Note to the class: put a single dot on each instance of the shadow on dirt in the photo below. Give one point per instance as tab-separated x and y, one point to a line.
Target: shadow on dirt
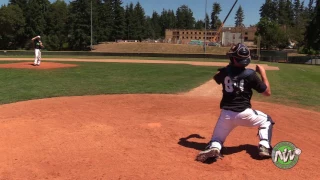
250	149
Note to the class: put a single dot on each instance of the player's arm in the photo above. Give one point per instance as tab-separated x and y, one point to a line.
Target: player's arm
218	76
262	72
34	38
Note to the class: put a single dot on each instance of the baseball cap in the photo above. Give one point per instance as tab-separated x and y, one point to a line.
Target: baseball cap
38	37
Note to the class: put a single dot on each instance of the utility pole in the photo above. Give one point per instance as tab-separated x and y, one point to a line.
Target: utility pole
205	29
91	27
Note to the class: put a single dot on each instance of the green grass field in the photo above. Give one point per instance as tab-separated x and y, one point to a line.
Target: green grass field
293	85
100	78
120	57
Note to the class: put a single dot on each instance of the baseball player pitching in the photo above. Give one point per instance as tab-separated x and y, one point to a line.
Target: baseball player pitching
237	83
37	47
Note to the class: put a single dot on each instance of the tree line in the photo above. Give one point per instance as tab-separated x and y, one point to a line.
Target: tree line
284	21
68	26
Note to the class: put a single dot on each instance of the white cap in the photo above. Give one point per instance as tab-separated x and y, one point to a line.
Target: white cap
38	37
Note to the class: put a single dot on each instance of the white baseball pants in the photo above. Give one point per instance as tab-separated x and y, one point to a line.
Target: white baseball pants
228	120
37	59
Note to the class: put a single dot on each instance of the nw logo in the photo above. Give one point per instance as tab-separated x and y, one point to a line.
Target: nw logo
285	155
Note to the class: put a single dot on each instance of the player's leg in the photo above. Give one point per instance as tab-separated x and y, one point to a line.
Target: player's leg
222	129
251	118
39	58
35	57
265	135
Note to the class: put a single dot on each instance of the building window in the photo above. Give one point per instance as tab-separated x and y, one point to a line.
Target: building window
191	32
191	37
182	32
246	38
199	32
195	37
182	37
195	33
187	32
246	33
187	37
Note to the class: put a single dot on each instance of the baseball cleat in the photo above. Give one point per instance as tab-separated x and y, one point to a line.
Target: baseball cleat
264	152
209	153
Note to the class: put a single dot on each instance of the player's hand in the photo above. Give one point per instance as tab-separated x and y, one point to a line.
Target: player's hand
260	69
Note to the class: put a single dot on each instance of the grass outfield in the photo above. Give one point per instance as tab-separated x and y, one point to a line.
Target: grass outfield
293	85
121	57
100	78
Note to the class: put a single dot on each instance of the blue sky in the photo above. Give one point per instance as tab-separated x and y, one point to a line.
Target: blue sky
250	7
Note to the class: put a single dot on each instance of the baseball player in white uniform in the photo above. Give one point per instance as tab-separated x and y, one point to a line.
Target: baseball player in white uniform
37	50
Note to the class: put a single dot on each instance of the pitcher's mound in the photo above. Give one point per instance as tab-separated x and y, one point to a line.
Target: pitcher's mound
43	65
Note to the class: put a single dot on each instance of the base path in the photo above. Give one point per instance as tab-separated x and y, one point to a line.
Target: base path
196	63
143	137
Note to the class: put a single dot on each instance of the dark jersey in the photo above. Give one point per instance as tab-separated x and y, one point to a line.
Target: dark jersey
37	44
237	92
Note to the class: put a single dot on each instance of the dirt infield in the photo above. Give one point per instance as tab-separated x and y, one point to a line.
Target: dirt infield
143	137
44	65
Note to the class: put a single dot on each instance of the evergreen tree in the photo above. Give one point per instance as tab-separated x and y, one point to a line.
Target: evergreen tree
172	20
129	16
149	29
56	30
313	30
207	20
105	21
155	24
118	30
311	8
11	26
199	25
282	13
167	21
268	10
239	17
21	3
290	13
35	14
139	22
185	19
215	21
310	11
79	24
297	12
